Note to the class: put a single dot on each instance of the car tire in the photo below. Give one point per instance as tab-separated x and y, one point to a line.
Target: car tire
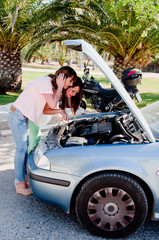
111	205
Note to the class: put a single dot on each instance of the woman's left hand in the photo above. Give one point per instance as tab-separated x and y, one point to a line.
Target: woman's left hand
60	80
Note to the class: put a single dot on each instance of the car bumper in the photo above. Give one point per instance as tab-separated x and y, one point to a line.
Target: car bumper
51	186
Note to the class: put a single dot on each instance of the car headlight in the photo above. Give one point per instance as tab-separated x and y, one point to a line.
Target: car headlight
43	163
41	160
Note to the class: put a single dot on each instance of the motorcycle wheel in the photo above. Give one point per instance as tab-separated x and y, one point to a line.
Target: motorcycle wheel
97	104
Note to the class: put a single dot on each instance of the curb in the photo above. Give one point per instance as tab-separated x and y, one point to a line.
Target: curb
4	128
8	131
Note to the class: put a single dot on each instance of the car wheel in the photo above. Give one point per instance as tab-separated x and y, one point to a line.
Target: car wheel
111	205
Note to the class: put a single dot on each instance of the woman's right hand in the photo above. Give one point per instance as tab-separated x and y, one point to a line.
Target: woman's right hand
62	116
60	80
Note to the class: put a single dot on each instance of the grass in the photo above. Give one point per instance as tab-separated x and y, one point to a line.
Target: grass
9	98
149	89
29	76
148	98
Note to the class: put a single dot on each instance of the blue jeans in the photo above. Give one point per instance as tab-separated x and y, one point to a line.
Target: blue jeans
19	126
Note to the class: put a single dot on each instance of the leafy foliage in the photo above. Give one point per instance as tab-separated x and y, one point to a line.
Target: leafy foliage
19	21
127	29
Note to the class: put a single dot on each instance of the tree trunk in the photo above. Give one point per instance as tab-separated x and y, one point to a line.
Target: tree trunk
119	66
10	71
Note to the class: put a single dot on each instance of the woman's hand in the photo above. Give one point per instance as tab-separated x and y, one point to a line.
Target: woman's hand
60	80
62	116
53	99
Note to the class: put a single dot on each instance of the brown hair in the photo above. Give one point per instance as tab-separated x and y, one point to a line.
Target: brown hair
74	100
68	71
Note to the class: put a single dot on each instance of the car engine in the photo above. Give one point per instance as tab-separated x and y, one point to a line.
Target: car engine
108	129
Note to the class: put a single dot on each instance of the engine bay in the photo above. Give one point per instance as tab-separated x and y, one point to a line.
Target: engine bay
108	129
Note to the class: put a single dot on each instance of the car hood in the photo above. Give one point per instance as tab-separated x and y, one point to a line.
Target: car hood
86	48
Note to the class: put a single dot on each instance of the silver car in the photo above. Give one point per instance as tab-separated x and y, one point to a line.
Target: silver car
103	166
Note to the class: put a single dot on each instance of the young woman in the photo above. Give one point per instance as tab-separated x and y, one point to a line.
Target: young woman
71	97
29	106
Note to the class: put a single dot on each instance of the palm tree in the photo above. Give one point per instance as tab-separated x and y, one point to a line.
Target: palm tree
44	53
16	30
21	22
127	30
53	51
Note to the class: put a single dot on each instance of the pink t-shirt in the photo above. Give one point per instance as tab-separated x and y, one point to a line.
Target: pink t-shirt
31	101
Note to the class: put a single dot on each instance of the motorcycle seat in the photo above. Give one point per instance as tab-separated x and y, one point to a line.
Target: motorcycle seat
110	93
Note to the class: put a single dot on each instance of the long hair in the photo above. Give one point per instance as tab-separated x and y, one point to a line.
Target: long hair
68	71
74	100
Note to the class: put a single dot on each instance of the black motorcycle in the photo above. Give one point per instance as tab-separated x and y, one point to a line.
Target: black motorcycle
107	100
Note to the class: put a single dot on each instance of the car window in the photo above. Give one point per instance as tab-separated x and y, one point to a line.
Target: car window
151	114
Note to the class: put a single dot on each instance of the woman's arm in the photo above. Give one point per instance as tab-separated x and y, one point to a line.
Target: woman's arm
49	111
53	99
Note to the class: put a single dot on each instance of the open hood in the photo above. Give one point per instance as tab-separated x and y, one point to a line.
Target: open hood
86	48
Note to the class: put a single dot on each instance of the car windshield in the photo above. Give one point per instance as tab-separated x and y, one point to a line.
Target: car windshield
151	114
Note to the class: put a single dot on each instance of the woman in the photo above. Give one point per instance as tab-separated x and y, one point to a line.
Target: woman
71	97
29	106
74	95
